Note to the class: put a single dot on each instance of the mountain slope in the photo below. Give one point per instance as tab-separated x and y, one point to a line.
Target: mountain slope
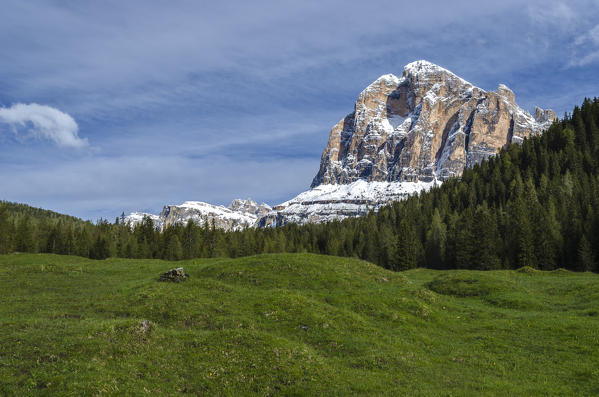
423	127
17	210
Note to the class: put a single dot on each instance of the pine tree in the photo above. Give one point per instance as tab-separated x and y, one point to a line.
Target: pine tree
526	252
409	247
5	236
464	241
485	232
586	261
436	238
100	249
189	240
82	242
24	236
174	250
388	248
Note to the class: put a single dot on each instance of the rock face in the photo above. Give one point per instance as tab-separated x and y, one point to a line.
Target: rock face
240	214
408	132
427	124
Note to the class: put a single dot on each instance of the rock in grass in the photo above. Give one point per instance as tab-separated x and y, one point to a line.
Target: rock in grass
176	275
145	326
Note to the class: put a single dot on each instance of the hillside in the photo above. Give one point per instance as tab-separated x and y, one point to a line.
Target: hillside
293	324
17	210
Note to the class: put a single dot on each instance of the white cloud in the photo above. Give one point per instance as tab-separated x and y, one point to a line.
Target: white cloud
43	121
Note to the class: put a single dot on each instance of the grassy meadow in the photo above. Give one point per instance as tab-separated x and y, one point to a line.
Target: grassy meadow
293	324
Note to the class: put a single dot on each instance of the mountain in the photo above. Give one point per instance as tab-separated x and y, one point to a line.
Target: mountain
239	214
328	202
405	135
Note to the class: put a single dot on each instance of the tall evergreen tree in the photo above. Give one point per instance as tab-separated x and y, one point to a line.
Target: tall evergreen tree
586	260
24	236
409	247
436	239
5	236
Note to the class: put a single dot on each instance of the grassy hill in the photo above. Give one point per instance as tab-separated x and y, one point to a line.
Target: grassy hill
293	324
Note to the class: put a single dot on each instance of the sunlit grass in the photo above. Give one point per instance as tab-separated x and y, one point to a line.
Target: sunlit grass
293	324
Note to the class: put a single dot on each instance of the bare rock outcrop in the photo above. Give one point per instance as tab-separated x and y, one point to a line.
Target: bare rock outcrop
405	135
428	124
175	275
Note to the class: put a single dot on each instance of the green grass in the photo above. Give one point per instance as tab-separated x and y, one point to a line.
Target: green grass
293	325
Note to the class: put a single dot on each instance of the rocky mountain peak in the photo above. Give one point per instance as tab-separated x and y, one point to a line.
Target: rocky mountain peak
427	125
405	135
506	93
249	206
240	214
544	115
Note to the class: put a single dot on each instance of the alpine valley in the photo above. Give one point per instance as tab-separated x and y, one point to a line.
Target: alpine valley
405	135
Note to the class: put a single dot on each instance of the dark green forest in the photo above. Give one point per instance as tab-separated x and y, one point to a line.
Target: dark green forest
535	204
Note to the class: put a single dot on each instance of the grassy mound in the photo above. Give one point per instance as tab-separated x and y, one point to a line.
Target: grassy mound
292	324
527	270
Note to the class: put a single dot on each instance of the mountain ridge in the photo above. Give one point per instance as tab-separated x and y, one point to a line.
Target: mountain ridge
410	133
238	215
405	133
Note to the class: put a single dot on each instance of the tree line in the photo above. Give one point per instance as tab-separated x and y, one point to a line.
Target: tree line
534	204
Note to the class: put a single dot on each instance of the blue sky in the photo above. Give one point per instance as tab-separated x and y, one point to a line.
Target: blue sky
129	105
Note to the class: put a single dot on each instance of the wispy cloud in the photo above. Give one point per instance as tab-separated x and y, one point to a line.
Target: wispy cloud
43	122
586	48
552	12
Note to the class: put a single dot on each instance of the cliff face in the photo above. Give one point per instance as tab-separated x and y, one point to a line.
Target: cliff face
428	124
405	135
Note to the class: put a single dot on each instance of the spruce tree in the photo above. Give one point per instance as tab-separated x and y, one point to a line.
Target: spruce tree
174	250
24	236
5	237
586	261
485	232
436	238
408	247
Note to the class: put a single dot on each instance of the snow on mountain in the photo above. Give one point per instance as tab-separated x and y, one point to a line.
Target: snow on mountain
240	214
404	134
135	218
326	203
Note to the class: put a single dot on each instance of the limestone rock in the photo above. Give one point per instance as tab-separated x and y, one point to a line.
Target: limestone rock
428	124
407	134
175	275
